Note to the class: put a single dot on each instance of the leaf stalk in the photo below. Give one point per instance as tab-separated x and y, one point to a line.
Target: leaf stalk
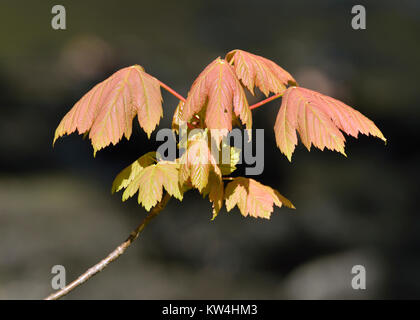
262	102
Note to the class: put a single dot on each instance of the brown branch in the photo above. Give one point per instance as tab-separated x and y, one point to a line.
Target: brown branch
113	255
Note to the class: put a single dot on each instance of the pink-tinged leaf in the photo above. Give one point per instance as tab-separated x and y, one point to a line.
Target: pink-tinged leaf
107	111
253	198
318	119
218	90
258	71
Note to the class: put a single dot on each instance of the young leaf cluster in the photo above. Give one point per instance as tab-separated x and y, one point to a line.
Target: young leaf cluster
216	100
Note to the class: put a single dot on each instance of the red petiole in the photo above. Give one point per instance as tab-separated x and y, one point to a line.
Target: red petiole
254	106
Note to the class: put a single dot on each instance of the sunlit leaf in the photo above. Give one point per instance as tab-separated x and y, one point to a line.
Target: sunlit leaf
215	190
107	111
253	198
234	157
218	90
123	179
197	162
176	120
258	71
151	180
318	119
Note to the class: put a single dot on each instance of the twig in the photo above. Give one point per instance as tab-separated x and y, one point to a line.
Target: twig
113	255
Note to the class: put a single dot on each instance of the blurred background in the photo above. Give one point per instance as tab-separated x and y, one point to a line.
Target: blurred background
56	206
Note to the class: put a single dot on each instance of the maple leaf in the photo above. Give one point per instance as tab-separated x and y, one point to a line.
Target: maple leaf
218	92
123	179
258	71
150	181
215	190
198	161
176	119
253	198
199	169
234	157
318	119
107	111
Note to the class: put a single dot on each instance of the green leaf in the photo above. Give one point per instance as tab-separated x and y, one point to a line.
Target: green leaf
123	179
197	162
150	181
228	168
215	191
